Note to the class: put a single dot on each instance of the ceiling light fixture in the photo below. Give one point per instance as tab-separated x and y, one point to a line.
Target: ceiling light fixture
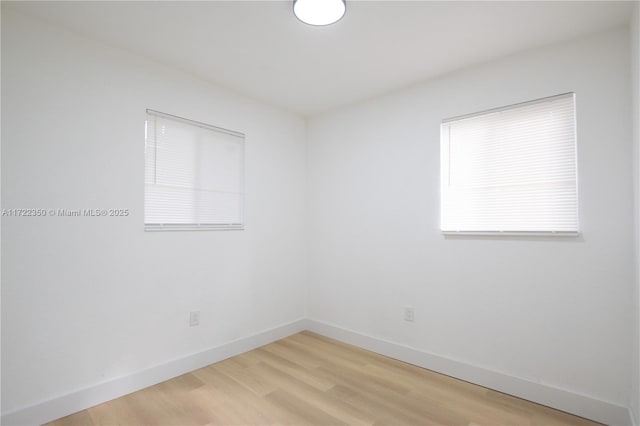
319	12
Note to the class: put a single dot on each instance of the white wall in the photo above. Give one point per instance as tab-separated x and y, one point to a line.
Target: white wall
635	93
555	311
89	299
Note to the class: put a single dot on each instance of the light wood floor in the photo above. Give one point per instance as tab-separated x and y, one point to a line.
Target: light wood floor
307	379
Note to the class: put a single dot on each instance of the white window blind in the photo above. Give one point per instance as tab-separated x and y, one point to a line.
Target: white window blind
193	175
511	170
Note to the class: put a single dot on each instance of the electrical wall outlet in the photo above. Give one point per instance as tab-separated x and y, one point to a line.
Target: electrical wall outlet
409	314
194	318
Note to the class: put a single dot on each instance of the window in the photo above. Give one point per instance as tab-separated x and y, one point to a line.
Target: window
193	175
511	170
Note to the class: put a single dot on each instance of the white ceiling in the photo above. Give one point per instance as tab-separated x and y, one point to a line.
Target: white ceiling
260	49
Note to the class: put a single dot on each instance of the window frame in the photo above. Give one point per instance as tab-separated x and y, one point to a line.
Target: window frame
444	145
153	227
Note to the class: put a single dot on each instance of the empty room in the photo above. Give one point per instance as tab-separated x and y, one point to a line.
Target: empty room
320	212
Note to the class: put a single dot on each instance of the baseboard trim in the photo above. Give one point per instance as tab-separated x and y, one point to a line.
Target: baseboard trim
560	399
64	405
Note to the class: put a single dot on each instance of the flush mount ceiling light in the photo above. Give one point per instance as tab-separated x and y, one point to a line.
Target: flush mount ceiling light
319	12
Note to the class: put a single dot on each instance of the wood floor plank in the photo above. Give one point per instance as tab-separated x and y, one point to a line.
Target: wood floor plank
323	357
305	374
385	411
308	379
380	395
302	408
320	399
246	377
292	356
239	397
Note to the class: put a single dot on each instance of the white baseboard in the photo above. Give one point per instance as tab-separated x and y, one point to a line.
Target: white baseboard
64	405
560	399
